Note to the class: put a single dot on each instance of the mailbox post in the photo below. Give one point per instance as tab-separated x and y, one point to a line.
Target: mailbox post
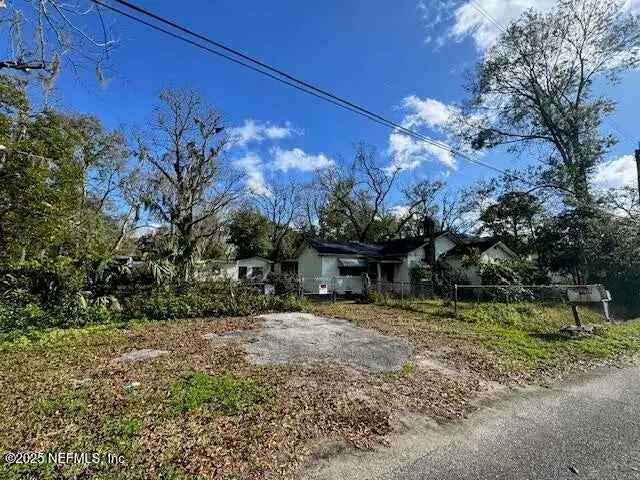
584	294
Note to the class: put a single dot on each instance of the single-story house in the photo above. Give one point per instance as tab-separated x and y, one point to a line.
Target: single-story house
489	250
217	270
343	263
254	268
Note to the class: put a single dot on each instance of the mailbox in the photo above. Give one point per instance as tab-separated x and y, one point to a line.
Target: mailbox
588	294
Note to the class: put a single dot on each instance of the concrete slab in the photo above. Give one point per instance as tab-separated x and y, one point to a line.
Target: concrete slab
306	338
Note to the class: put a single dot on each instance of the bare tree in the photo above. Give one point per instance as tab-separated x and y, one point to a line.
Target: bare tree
43	34
534	87
312	201
420	202
450	210
281	205
189	180
359	193
623	201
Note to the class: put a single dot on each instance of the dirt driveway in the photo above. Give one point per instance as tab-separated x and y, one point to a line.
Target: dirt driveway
303	338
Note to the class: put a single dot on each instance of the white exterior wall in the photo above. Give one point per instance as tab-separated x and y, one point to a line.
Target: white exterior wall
492	255
495	254
309	263
443	245
206	271
229	270
313	266
414	257
252	263
330	266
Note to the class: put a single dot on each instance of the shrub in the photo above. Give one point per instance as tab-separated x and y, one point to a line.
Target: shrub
52	281
445	278
503	274
284	283
32	315
208	300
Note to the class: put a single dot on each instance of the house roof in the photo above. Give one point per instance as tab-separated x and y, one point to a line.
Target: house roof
347	248
465	243
392	248
402	246
255	257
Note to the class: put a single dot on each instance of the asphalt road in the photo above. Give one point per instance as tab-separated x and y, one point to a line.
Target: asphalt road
589	429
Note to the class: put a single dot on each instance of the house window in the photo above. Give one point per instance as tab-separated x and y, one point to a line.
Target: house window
256	272
350	271
242	273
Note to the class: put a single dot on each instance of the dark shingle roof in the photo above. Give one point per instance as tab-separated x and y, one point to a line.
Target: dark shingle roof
347	248
402	246
392	248
468	242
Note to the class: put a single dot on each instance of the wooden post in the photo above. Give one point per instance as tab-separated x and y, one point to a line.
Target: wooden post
455	300
576	314
638	169
379	271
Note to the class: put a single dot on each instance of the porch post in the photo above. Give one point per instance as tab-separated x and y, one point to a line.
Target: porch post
379	269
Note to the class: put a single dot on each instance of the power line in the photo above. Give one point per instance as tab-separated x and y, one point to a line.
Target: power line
276	74
301	85
486	15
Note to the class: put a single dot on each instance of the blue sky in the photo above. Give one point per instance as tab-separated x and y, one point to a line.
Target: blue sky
399	58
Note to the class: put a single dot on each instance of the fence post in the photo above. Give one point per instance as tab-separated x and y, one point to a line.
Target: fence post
455	300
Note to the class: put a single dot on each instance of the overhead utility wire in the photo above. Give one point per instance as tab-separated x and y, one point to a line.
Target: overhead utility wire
299	84
306	87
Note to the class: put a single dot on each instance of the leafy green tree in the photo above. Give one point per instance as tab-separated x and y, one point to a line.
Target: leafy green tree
49	203
514	219
534	88
249	233
189	182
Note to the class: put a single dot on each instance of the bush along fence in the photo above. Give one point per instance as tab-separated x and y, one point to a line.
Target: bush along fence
572	295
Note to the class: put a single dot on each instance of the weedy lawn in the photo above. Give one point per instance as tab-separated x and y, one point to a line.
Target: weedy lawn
204	411
199	412
504	342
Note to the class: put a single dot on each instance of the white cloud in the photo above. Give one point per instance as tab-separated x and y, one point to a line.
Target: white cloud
482	19
253	166
427	111
617	173
478	18
253	131
408	154
297	159
399	211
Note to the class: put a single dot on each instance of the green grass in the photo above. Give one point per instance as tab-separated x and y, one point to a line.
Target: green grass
205	412
201	412
499	340
224	392
408	369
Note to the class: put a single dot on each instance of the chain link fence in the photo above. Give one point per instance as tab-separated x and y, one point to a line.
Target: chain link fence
514	293
403	290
